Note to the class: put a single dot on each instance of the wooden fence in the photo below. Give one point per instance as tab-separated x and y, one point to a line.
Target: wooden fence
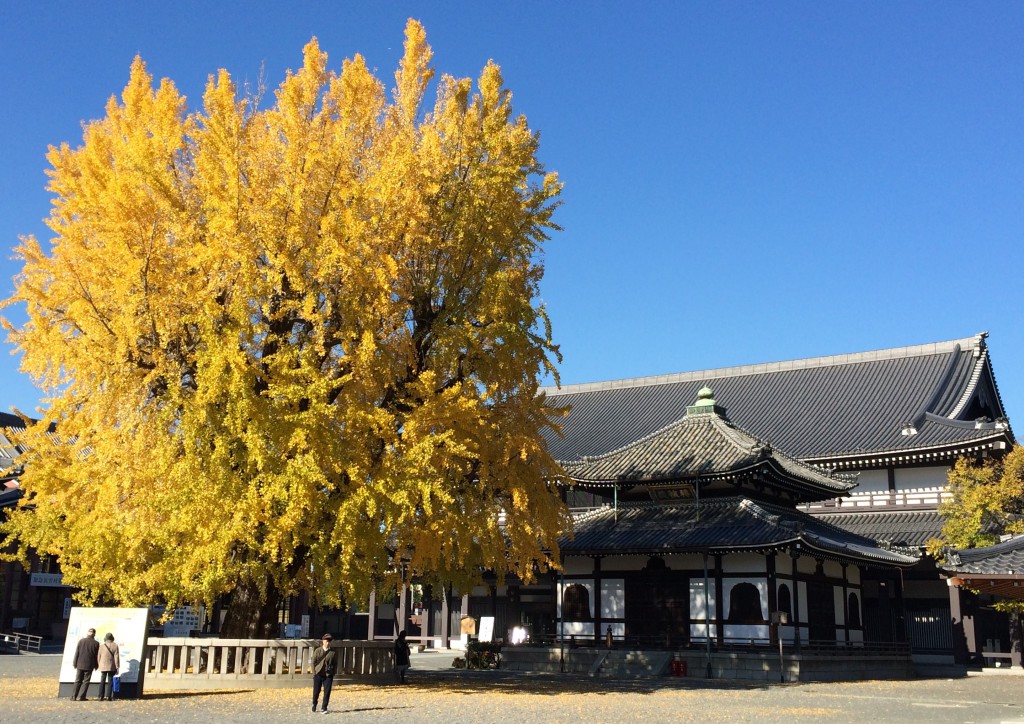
209	663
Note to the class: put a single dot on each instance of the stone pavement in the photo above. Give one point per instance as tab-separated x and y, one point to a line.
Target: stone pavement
437	694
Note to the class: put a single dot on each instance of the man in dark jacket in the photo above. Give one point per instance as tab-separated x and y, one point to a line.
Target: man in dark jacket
325	664
85	662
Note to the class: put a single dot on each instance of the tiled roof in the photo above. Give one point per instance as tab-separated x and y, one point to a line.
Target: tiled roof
718	525
996	570
704	446
8	451
1006	557
818	409
906	529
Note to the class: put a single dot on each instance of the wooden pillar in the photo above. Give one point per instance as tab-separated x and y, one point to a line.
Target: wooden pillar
446	618
1016	639
402	612
719	604
773	598
427	615
796	600
846	603
962	606
371	621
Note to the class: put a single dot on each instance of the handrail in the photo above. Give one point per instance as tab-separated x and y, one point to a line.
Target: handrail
18	642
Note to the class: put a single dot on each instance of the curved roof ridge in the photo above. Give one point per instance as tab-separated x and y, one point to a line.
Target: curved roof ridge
836	360
972	385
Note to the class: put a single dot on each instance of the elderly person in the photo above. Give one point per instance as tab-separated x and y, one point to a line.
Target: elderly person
85	662
109	659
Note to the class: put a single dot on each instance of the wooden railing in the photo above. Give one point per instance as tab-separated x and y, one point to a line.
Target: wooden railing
214	661
15	643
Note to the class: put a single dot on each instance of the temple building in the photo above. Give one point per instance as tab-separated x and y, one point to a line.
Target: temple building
704	541
897	419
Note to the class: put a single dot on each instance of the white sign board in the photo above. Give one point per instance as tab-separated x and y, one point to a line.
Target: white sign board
186	619
486	628
46	580
129	628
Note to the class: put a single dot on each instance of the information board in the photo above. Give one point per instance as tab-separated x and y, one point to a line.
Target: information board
128	625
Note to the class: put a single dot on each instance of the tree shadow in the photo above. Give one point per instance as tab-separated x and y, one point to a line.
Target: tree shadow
171	695
555	684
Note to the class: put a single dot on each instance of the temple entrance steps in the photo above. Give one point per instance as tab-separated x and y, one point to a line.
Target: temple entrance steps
614	663
624	664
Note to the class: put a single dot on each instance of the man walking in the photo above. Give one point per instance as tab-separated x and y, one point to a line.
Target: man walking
325	664
85	662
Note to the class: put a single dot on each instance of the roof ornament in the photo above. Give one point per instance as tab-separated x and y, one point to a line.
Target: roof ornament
705	404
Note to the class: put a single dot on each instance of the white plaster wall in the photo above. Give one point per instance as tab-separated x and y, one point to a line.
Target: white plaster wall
872	481
623	563
698	631
801	588
580	629
840	605
613	598
697	599
578	565
747	631
688	562
853	574
783	563
833	569
857	636
744	562
932	477
806	564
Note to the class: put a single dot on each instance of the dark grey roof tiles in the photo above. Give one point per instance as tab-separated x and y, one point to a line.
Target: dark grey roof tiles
813	409
1002	558
703	445
899	528
717	526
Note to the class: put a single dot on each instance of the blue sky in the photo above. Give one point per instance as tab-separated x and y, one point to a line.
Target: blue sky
744	181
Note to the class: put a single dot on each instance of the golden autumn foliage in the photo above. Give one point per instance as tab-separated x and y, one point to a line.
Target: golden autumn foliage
987	501
281	345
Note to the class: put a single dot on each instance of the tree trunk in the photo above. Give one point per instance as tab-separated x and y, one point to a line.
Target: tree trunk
250	615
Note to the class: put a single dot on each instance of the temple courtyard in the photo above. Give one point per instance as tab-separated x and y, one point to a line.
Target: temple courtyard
437	694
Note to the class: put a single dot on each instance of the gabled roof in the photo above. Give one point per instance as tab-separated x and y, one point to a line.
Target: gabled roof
719	525
705	446
917	402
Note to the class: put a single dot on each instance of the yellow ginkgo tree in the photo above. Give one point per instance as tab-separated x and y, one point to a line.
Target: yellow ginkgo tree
286	348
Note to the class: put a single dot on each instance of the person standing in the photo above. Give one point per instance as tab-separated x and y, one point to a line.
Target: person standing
109	660
401	657
85	662
325	664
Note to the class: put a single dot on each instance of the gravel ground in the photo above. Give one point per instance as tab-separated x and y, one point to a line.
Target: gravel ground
437	694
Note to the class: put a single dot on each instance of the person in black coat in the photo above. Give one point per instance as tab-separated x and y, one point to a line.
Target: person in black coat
85	662
325	665
401	657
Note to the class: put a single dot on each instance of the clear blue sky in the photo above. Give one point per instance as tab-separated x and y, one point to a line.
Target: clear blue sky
745	181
